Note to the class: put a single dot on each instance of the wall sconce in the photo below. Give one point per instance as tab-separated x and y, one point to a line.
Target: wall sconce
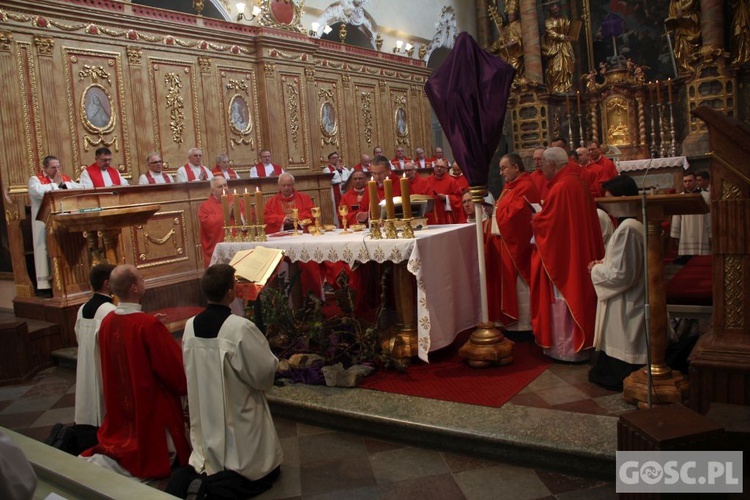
315	26
403	48
241	12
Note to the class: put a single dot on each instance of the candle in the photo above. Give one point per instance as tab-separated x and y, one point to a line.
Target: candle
578	98
669	88
248	204
390	210
651	91
372	192
567	104
225	207
405	197
237	211
259	206
658	92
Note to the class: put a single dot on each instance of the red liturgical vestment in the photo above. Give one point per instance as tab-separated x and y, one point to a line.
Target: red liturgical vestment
279	207
445	185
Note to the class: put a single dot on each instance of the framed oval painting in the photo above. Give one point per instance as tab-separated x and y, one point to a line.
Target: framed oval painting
239	115
96	109
328	123
402	129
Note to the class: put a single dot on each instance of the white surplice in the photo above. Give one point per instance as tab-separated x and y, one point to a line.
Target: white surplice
89	400
694	231
230	423
619	285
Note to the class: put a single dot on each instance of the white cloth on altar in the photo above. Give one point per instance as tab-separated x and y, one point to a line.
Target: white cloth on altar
620	287
230	424
89	399
651	163
693	230
448	300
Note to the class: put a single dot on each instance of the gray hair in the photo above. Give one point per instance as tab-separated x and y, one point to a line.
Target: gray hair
193	150
151	155
556	155
286	174
221	157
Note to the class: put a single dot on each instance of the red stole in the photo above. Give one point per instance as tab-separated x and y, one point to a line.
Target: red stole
230	173
261	170
151	179
95	173
43	179
190	174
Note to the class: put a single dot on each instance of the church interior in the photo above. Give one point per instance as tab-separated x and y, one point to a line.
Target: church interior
660	86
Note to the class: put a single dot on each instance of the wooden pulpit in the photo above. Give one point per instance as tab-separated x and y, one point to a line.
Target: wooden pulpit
667	386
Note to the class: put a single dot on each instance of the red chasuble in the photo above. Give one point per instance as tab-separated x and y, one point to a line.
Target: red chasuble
540	181
568	237
143	380
606	169
260	169
446	185
95	173
513	247
278	207
231	174
211	217
462	184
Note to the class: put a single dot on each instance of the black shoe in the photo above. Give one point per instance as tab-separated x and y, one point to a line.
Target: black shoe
44	293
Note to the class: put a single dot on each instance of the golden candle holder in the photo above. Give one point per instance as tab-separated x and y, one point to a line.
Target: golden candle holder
343	212
408	230
228	234
375	233
248	233
390	229
260	232
319	231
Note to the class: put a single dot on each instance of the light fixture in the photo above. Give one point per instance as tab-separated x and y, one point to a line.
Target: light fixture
241	12
403	48
315	26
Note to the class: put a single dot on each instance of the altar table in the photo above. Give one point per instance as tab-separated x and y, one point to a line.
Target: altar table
443	260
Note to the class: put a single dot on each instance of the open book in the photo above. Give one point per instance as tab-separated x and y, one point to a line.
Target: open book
257	264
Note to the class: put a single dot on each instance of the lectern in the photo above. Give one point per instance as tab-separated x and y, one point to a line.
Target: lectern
667	386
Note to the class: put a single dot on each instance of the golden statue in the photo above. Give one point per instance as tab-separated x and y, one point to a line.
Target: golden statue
740	37
509	45
684	21
558	51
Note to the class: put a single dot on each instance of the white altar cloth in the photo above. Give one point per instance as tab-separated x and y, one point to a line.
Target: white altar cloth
636	165
443	260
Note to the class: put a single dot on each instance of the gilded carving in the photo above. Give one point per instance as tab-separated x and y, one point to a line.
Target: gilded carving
169	248
729	191
6	38
366	99
44	45
617	125
292	107
733	286
205	64
175	104
134	55
346	80
26	66
284	14
67	27
310	74
95	73
237	85
270	70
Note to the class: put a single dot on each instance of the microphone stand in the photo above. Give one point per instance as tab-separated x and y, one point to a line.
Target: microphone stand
647	305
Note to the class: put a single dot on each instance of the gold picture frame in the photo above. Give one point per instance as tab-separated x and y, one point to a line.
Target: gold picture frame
97	114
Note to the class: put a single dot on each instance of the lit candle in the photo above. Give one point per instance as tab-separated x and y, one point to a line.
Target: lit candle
567	104
405	197
669	88
248	204
390	210
658	92
237	210
259	206
225	207
372	192
578	98
651	91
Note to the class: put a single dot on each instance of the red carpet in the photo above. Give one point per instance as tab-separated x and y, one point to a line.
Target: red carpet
448	378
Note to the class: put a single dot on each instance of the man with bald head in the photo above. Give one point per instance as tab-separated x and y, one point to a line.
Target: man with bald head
194	170
144	379
211	217
399	160
364	165
567	237
278	210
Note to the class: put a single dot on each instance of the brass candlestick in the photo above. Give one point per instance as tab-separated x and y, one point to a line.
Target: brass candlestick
390	229
343	212
248	233
375	233
260	232
228	233
408	230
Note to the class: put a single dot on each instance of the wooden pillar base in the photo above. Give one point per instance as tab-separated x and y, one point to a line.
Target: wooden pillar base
487	346
668	388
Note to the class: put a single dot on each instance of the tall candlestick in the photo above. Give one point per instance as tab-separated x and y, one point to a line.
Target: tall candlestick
578	98
567	104
658	92
225	207
259	207
237	210
372	192
405	197
651	92
669	89
248	204
390	210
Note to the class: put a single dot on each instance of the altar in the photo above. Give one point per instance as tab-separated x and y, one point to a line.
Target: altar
442	260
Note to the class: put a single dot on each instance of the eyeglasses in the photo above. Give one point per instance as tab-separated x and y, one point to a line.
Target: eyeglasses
155	162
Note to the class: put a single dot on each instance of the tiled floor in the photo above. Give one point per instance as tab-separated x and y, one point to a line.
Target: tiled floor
326	464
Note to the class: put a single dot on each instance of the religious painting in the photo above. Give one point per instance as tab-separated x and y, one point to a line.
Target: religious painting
402	128
96	109
239	115
328	124
632	30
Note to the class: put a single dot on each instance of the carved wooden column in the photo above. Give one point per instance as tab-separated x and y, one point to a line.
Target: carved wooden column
712	23
532	49
483	23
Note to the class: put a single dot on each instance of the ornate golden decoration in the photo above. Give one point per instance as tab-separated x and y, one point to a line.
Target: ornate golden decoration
44	45
366	99
159	241
734	296
292	105
310	74
134	55
237	85
58	273
95	73
6	38
205	64
346	80
113	33
383	84
175	104
198	5
729	191
267	18
270	70
29	94
289	57
68	27
617	124
176	235
712	86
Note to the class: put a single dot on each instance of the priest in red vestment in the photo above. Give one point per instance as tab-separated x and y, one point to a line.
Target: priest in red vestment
417	183
589	172
381	170
567	237
101	173
211	217
278	210
447	195
463	184
356	199
537	176
265	168
144	379
155	174
605	168
437	156
223	169
511	245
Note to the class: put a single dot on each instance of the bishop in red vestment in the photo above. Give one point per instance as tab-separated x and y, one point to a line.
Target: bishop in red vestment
567	236
144	379
278	209
447	196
